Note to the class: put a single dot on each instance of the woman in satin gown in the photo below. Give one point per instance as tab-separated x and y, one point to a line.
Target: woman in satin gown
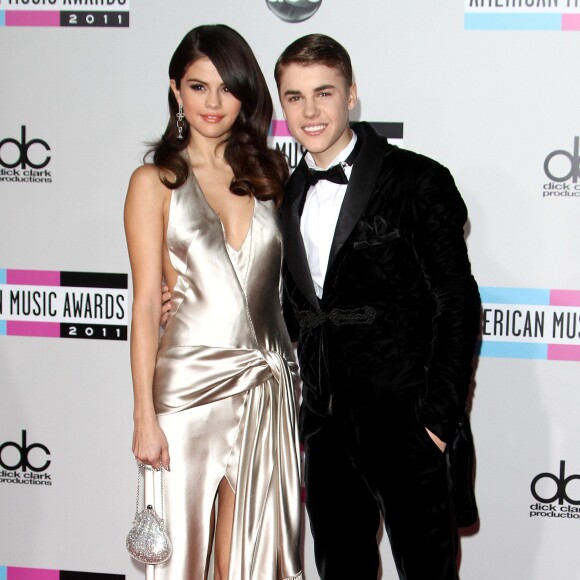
214	396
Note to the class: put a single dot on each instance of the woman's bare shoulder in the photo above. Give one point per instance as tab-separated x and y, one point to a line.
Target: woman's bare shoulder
147	175
146	182
151	177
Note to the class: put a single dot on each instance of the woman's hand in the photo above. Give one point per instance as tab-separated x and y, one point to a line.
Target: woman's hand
165	304
150	444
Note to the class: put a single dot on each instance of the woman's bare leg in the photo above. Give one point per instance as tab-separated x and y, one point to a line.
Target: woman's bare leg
223	532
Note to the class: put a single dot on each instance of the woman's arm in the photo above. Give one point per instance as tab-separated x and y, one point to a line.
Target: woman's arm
144	222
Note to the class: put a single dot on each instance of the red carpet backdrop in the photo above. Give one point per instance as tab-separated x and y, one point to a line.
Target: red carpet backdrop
486	87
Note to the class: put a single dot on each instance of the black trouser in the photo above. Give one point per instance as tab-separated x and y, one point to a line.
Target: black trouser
378	460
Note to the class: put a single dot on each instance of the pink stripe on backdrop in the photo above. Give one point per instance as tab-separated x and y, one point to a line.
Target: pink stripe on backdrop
563	352
564	297
33	277
32	18
280	129
570	21
31	574
25	328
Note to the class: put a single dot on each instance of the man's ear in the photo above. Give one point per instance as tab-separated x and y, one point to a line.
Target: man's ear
352	96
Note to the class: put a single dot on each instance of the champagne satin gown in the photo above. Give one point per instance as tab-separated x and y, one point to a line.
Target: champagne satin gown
224	395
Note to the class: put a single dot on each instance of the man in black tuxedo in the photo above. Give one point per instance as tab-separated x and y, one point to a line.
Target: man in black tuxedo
379	294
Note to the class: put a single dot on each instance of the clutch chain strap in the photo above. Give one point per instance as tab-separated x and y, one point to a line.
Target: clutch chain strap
138	502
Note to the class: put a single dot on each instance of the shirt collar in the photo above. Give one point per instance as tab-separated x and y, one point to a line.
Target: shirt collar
340	157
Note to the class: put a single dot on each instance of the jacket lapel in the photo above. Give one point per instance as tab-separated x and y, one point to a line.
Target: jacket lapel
294	250
361	186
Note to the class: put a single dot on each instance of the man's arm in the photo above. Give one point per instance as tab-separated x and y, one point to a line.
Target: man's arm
437	239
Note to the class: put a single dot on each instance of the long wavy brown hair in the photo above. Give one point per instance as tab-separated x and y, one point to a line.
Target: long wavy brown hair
258	170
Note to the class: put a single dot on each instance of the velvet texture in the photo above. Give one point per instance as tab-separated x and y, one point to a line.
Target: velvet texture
400	306
378	457
385	353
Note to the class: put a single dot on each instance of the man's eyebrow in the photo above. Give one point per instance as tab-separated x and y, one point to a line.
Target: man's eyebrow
291	92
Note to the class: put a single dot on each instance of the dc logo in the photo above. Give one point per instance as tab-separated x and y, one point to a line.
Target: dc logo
294	10
22	454
24	153
561	481
561	165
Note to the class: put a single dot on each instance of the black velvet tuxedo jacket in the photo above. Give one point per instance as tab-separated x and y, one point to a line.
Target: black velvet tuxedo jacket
400	308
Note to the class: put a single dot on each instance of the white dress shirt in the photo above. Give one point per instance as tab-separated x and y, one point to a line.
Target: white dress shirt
320	215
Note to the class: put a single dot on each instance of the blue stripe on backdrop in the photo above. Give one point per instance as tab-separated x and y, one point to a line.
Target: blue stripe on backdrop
513	21
525	350
499	295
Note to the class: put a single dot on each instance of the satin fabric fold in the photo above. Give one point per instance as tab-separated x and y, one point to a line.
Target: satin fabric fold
224	394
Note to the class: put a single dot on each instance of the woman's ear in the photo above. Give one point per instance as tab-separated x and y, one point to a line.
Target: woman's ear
175	90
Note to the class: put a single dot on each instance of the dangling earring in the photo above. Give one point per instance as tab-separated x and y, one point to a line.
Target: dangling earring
180	116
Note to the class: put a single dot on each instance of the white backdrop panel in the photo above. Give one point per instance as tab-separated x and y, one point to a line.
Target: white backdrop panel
490	105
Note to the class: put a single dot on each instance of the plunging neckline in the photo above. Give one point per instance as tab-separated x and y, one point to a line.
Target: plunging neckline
248	235
217	215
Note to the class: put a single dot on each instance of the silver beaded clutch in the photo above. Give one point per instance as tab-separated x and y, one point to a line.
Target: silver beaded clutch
147	540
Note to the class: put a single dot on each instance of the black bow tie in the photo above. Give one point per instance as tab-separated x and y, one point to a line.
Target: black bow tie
335	174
